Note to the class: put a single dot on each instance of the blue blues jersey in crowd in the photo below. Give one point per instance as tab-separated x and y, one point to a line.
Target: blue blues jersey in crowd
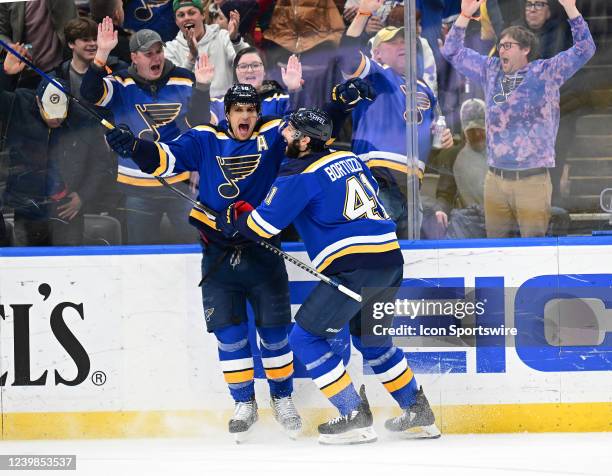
156	15
158	114
230	169
331	198
276	105
379	127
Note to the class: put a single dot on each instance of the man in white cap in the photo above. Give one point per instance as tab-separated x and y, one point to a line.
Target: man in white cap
57	160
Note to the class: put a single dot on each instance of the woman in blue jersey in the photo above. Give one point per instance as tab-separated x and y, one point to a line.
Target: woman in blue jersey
249	68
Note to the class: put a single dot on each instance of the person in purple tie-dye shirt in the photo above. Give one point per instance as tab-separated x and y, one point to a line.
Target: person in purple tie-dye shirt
522	119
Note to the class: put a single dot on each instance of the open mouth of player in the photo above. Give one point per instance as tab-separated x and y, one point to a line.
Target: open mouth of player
243	128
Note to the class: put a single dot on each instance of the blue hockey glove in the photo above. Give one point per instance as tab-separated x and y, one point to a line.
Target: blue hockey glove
350	93
121	139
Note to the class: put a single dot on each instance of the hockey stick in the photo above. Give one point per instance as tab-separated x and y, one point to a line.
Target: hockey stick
89	109
197	204
327	280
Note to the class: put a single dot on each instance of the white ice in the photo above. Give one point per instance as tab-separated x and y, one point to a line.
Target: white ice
270	453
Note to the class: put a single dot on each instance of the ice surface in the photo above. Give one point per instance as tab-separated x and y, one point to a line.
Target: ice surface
269	452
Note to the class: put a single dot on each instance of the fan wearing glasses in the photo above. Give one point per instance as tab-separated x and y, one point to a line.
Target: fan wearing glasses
249	68
548	22
522	117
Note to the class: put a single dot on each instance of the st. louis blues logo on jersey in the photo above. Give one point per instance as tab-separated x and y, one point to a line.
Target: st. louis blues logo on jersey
145	11
235	169
156	116
423	103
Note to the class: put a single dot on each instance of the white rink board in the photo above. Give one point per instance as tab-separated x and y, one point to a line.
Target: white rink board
143	328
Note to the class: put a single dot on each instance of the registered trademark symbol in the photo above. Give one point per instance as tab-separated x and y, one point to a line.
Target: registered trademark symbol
98	378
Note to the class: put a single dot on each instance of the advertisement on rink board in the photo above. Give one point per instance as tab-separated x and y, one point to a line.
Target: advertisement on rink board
120	332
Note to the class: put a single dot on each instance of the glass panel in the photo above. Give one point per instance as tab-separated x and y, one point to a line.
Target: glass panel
530	145
538	166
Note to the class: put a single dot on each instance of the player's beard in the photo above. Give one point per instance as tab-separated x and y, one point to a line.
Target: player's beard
293	149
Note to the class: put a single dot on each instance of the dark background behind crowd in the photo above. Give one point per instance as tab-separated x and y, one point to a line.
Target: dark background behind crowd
61	184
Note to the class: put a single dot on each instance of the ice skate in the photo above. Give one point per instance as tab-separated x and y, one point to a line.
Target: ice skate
245	415
417	421
286	414
351	429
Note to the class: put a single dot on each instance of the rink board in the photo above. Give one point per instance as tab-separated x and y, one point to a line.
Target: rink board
110	342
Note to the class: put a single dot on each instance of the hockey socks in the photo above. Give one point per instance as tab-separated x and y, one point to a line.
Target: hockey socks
236	361
390	366
326	369
277	360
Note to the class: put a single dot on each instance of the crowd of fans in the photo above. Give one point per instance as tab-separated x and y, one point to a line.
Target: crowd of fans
148	63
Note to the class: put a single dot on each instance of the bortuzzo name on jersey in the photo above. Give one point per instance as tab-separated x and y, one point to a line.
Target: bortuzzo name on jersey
342	168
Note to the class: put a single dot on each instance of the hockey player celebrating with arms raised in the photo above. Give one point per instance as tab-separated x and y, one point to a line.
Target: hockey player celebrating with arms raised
239	162
331	198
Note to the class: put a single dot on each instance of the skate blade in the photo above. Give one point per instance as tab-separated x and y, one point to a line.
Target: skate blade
292	434
420	433
352	437
242	436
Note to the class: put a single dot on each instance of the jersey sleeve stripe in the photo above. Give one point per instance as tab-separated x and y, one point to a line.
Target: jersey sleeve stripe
180	82
108	93
390	164
166	161
203	218
256	228
362	70
218	134
269	125
267	227
124	82
150	181
163	161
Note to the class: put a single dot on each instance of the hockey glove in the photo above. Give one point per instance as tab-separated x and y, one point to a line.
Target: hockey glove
227	220
350	93
121	139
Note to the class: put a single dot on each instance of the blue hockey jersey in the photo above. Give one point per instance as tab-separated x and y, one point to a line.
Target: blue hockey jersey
331	198
156	15
379	127
230	169
154	112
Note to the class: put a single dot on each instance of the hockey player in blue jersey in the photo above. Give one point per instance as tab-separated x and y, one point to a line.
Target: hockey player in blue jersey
239	163
331	197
